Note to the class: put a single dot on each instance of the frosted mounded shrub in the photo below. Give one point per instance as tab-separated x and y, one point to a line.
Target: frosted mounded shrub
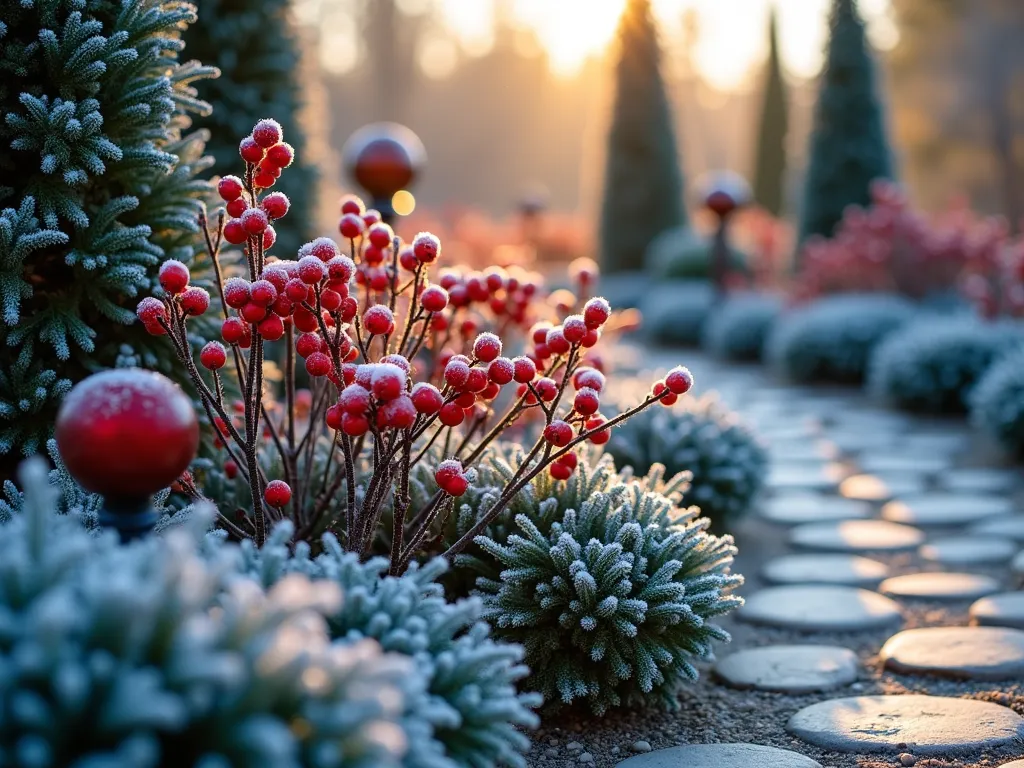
613	597
472	705
933	364
737	330
675	312
724	457
150	656
997	402
832	339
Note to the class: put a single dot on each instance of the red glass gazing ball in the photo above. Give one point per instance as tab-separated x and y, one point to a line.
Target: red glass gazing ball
127	433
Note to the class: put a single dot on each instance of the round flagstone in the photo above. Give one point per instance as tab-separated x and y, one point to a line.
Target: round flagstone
874	488
921	725
1005	609
789	668
720	756
845	570
820	608
1005	526
945	509
812	476
966	653
944	587
969	550
857	536
797	508
980	480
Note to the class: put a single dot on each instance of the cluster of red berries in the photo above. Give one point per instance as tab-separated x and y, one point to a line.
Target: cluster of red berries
182	300
451	477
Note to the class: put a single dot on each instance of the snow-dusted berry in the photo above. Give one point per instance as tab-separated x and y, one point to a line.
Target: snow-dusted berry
351	226
456	373
263	292
547	389
233	330
213	356
306	344
380	235
237	207
330	300
556	341
388	381
679	380
574	328
280	155
378	320
271	327
276	205
487	347
173	276
195	301
354	399
318	364
501	371
601	436
451	478
525	369
267	132
596	312
253	312
667	396
277	493
254	221
235	233
399	413
150	311
250	151
587	401
451	414
558	433
427	247
427	398
311	270
230	188
340	268
434	299
588	377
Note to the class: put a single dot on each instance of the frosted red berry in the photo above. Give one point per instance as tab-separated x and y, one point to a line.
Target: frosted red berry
556	341
388	381
487	347
277	493
407	259
330	300
427	247
254	221
150	311
250	151
588	377
230	188
237	207
558	433
602	436
318	364
351	204
434	299
501	371
253	312
195	301
276	205
427	398
574	328
267	132
311	270
340	268
378	320
280	155
354	425
547	389
354	399
271	327
399	413
451	478
263	292
679	380
213	356
234	233
452	414
525	369
351	226
587	401
306	344
560	471
236	292
233	330
380	235
596	312
173	276
539	333
456	373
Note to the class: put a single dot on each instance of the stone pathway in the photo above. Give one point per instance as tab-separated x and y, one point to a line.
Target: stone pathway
882	625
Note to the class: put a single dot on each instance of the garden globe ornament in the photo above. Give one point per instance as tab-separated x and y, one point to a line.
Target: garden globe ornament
126	434
723	193
384	158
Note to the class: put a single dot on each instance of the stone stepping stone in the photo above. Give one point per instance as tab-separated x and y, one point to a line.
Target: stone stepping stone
1005	609
874	488
922	725
920	463
1006	527
969	550
857	536
720	756
844	570
944	509
789	668
965	653
798	508
816	476
980	480
820	608
941	587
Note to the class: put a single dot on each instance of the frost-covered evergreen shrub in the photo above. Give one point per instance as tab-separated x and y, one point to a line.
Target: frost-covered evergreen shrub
97	188
997	402
471	704
933	364
150	656
608	583
832	338
726	459
675	312
737	330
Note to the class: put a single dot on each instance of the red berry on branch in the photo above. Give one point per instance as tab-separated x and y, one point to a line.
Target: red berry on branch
354	425
230	188
556	342
323	248
264	179
593	336
311	270
233	330
151	310
173	276
399	413
451	415
296	290
539	332
380	235
318	364
451	478
603	435
267	132
466	400
426	247
434	299
373	255
349	307
271	328
387	381
253	312
236	292
477	380
354	399
213	356
280	155
407	259
237	207
456	373
400	360
378	320
476	288
234	233
525	370
330	300
427	398
304	320
495	279
487	347
341	268
277	493
491	391
195	301
334	416
558	433
571	460
587	401
351	226
547	389
370	217
560	471
588	377
350	204
596	312
276	205
306	344
250	151
263	292
379	279
254	221
230	469
679	380
501	371
574	328
457	295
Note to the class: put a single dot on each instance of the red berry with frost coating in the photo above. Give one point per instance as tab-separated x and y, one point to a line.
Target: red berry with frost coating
378	320
594	422
380	235
151	310
304	320
407	259
539	332
276	276
525	369
173	276
253	312
501	371
487	347
234	233
560	471
434	299
277	493
195	301
323	248
571	460
352	204
588	377
596	312
574	328
667	397
679	380
311	270
399	360
556	342
236	292
267	132
330	300
230	469
334	416
230	188
491	391
213	356
254	221
351	226
296	290
354	425
307	344
388	381
427	247
547	389
318	364
263	179
450	477
592	337
280	155
271	328
477	380
276	205
456	373
587	401
341	268
237	207
233	330
399	413
558	433
466	400
427	398
451	414
263	292
250	151
354	399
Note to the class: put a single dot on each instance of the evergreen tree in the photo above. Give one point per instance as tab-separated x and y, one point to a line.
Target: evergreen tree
643	185
849	148
97	188
253	44
770	173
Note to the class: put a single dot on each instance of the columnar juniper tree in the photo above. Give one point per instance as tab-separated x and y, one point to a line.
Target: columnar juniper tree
97	187
253	43
643	185
770	173
849	148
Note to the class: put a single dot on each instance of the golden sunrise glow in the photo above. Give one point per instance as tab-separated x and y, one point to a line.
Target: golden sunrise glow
403	202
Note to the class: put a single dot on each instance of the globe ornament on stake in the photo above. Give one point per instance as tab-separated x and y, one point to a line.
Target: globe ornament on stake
723	193
126	434
384	158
